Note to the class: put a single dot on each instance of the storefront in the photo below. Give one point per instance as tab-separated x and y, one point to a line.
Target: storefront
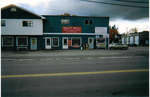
21	42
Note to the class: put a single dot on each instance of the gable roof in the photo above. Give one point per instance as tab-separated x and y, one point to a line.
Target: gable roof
12	5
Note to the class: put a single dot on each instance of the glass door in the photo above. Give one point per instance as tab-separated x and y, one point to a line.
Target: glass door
48	43
65	43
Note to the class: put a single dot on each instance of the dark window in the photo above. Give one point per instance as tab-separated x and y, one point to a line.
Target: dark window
91	21
7	41
86	22
3	23
22	41
55	42
27	23
76	42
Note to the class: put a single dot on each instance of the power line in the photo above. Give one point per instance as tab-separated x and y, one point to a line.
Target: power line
115	4
129	1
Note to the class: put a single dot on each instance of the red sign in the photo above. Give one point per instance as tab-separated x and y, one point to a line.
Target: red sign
71	29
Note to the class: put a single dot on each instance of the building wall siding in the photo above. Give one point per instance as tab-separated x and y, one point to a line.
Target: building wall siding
53	23
14	27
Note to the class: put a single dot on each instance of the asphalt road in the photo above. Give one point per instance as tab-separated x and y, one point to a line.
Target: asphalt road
75	73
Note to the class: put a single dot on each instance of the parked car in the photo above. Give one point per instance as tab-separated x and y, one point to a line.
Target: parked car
118	46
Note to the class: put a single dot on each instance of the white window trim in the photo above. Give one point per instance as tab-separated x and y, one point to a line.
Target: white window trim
46	40
52	42
8	45
63	40
27	23
77	38
21	37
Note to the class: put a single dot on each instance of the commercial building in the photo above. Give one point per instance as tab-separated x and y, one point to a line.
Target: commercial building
22	29
74	32
136	39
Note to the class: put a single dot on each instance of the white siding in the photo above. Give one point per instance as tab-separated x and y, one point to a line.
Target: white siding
14	27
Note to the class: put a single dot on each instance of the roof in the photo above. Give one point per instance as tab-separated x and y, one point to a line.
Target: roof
12	5
79	16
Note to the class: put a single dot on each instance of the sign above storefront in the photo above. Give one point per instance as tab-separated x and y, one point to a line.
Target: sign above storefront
71	29
101	30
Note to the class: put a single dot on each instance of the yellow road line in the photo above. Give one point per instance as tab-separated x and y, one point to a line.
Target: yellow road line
73	73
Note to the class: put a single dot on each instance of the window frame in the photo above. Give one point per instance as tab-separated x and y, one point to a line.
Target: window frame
21	37
12	42
76	38
29	23
53	43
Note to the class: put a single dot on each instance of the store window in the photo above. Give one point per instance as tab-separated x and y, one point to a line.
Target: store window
55	42
27	23
3	23
65	21
7	41
76	42
22	41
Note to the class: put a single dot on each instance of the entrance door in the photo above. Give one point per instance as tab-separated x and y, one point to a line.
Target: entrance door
65	43
48	43
91	43
33	44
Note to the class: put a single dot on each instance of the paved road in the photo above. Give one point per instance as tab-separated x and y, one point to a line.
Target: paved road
88	73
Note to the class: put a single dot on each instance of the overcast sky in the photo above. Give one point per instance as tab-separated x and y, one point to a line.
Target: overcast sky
125	15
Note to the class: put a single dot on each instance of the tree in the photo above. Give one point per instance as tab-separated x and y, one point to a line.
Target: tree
113	34
66	14
133	30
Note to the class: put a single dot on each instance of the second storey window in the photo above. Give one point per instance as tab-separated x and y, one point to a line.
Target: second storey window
88	22
27	23
65	21
3	23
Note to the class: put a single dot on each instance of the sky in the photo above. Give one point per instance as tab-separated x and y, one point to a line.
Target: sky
125	14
